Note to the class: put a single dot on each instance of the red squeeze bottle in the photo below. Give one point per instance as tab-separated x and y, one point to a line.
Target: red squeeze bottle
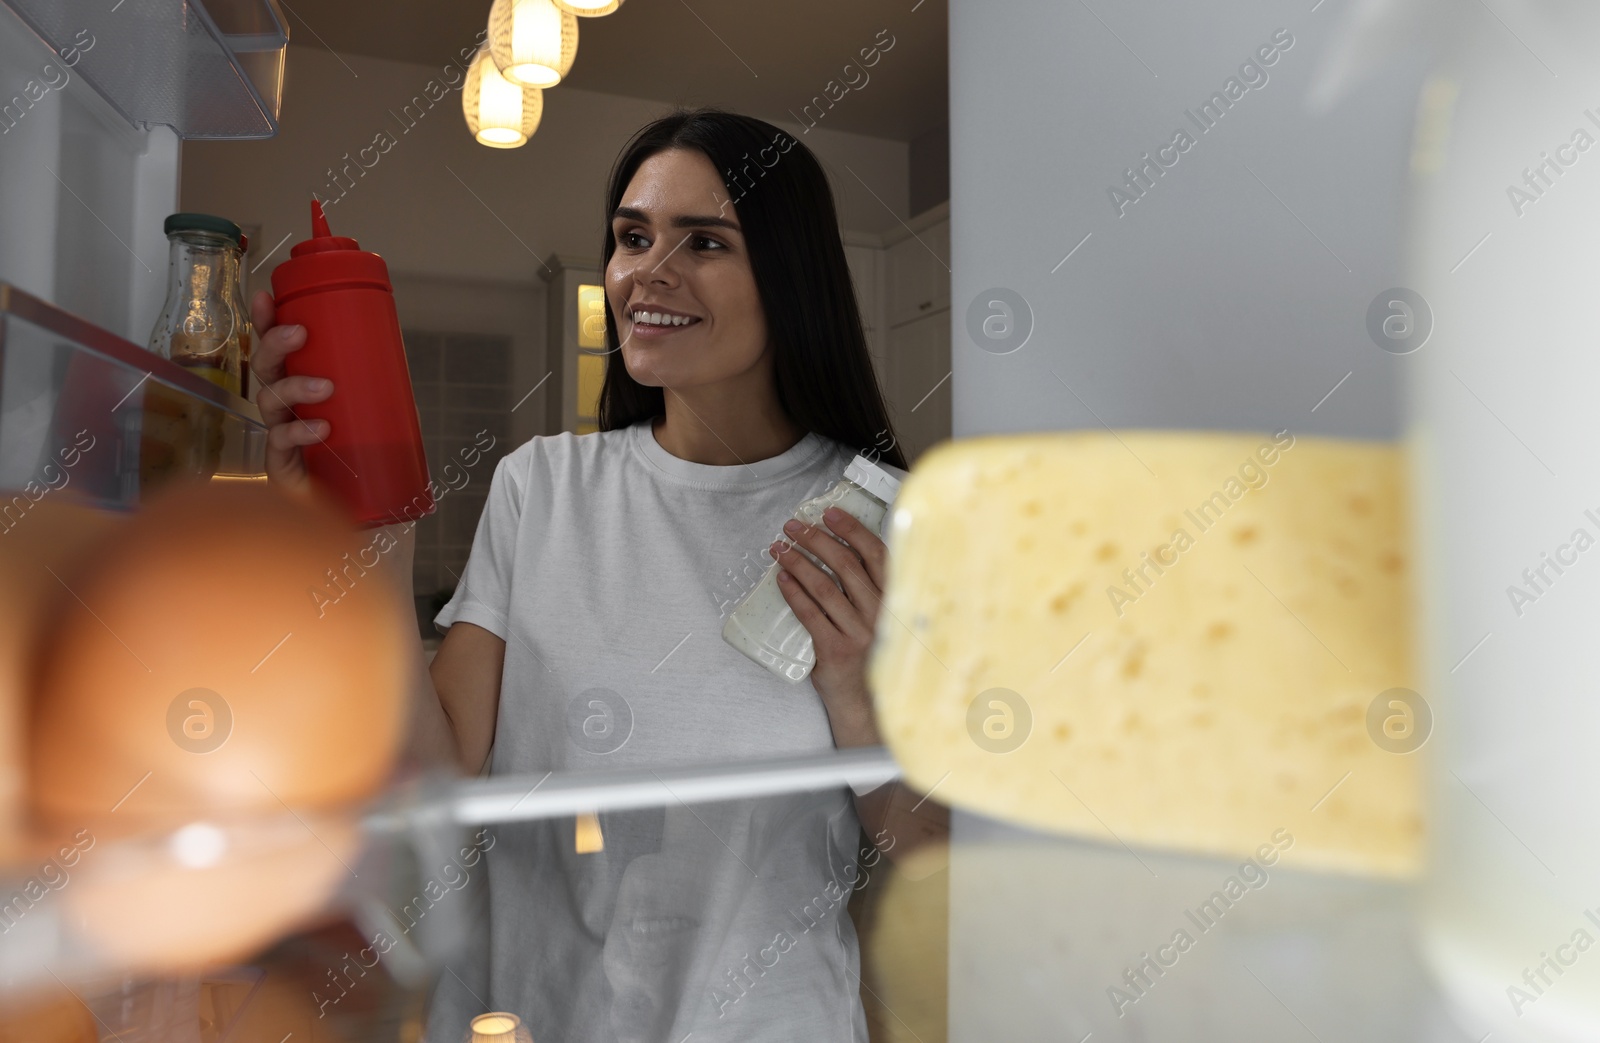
372	459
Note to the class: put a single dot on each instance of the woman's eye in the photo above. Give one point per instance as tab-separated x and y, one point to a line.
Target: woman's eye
703	242
633	240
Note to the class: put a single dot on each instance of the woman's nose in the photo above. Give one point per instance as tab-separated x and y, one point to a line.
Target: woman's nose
660	263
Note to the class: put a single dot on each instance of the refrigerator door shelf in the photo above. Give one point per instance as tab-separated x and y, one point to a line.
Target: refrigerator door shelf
208	71
98	420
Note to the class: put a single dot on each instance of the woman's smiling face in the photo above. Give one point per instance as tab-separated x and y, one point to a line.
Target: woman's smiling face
679	281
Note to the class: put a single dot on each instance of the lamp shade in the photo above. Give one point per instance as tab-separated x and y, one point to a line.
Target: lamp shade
500	114
532	41
499	1028
588	8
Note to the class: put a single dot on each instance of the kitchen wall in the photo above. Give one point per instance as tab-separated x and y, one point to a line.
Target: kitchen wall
438	203
930	168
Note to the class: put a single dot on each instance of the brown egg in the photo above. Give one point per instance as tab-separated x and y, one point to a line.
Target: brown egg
53	1016
227	652
36	540
206	895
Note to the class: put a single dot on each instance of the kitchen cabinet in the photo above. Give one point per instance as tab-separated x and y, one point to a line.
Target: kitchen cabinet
918	261
915	305
919	381
867	269
575	332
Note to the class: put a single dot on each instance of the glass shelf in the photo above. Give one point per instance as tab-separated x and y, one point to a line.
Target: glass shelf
212	70
527	798
98	420
692	900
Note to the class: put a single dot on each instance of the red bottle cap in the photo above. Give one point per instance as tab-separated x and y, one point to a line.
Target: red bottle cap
327	261
322	239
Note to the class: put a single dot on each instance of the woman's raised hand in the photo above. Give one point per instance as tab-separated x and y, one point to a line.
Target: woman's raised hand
278	394
842	622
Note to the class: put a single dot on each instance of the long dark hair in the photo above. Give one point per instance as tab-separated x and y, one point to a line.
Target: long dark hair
823	369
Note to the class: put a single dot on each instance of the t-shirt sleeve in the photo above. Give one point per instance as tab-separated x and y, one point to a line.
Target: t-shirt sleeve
483	595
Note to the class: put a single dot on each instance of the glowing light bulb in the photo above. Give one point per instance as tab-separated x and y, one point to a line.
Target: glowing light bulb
498	1028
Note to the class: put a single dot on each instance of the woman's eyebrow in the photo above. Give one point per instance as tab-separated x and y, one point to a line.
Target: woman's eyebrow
682	221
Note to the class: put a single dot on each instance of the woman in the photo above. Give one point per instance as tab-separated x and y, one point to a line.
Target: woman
585	631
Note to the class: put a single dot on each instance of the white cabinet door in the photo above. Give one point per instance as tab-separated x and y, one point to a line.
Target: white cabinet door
919	274
866	270
919	384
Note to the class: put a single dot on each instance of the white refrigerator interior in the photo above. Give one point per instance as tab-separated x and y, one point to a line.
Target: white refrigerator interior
82	192
1501	247
1358	219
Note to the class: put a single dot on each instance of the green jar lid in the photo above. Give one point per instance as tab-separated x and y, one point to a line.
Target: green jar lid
202	223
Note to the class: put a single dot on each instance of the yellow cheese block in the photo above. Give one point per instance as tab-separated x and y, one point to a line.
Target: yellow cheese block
1196	642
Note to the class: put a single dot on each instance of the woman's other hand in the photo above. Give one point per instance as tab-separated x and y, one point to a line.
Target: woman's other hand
278	394
841	621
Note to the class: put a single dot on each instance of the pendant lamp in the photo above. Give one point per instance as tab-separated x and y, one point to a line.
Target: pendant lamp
533	42
500	114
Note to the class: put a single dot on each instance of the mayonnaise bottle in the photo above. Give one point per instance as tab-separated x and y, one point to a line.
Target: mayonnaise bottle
762	626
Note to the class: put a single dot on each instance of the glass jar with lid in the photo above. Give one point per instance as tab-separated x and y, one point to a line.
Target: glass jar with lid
199	325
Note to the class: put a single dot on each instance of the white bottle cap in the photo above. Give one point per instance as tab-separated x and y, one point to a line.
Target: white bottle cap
873	478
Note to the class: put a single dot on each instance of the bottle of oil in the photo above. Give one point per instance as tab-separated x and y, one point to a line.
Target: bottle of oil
198	328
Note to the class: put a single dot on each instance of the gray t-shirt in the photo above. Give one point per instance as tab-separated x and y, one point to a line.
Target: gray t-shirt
608	566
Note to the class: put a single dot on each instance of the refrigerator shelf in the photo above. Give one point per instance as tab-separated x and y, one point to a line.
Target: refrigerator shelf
525	798
98	420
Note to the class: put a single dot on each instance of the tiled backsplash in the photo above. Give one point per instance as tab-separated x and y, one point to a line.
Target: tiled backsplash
463	387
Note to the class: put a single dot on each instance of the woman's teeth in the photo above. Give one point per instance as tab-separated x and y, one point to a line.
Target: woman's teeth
656	318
